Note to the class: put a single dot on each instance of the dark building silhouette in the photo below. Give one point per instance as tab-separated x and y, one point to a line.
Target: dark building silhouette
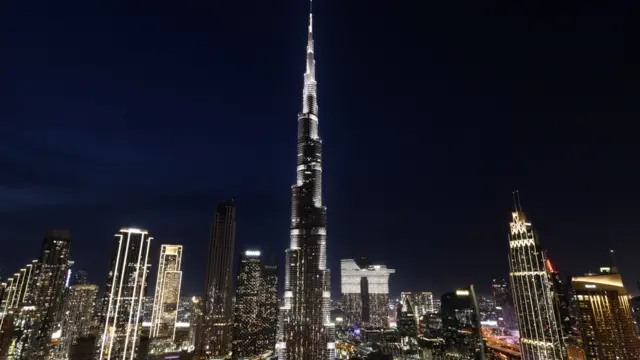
461	328
216	325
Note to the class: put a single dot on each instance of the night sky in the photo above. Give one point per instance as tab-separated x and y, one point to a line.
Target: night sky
148	113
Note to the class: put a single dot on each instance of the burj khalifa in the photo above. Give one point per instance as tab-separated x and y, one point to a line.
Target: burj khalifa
305	331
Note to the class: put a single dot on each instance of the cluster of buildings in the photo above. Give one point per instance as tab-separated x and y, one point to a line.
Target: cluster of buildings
49	312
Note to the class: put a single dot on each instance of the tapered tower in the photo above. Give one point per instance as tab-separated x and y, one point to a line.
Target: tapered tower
305	331
540	333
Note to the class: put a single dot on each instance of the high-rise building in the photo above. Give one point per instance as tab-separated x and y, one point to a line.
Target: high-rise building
195	321
269	306
256	307
47	295
604	316
78	316
167	293
15	324
81	277
532	289
365	293
504	304
305	330
461	328
126	287
217	326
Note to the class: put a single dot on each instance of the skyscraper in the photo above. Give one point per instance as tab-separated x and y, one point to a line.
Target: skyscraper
504	304
48	291
532	288
167	293
120	322
604	316
269	306
247	325
461	328
217	327
365	293
78	318
16	312
306	332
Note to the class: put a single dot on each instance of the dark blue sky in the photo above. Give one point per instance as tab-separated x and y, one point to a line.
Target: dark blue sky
149	112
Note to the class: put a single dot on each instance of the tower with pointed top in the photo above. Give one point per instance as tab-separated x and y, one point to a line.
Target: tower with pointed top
305	332
540	333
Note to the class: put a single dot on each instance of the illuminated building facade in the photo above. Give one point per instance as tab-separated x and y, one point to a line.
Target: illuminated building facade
422	302
305	331
78	317
167	293
255	314
14	306
504	304
604	316
217	327
461	328
121	321
532	289
47	294
365	293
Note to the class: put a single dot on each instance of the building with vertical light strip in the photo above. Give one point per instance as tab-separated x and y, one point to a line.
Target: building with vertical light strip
605	319
305	330
532	289
14	299
126	287
167	293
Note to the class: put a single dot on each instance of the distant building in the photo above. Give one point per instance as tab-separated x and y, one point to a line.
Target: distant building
167	292
84	348
504	304
604	316
461	327
421	303
255	313
365	293
80	277
120	325
216	326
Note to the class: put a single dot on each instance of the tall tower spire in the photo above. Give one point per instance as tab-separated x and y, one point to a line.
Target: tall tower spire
309	92
305	331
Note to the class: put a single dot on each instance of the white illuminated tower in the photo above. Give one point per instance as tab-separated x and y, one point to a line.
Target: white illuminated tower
121	320
305	331
167	294
540	334
365	293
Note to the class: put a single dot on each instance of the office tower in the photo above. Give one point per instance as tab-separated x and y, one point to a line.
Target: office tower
47	295
267	339
461	328
84	348
305	330
504	304
255	310
167	295
365	293
126	287
247	324
604	316
217	324
531	286
561	300
78	317
406	320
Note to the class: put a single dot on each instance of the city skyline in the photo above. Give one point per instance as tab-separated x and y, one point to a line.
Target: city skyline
463	110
